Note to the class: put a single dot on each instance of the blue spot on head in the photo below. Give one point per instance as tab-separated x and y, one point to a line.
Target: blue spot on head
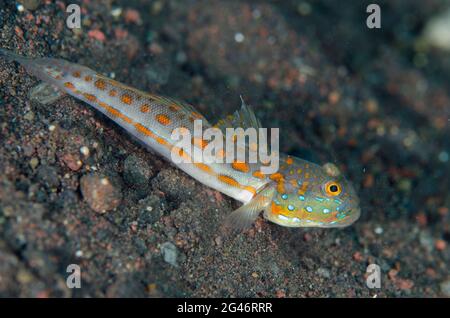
291	207
326	211
340	216
299	182
309	209
301	198
319	199
284	196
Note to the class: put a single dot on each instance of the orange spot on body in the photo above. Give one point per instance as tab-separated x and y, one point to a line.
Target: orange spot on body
199	142
204	167
90	97
240	166
303	188
280	187
144	130
258	174
163	119
126	99
115	113
293	183
69	85
145	108
276	176
276	209
182	153
228	180
289	160
161	141
113	93
100	84
250	189
88	78
76	74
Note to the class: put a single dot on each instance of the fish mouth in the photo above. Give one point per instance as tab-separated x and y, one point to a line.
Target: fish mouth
353	216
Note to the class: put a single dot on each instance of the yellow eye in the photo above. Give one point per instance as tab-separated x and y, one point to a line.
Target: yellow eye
333	188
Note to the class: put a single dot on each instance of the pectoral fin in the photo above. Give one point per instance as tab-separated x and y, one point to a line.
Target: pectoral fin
244	216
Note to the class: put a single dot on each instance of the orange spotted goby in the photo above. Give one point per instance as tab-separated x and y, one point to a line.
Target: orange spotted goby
299	194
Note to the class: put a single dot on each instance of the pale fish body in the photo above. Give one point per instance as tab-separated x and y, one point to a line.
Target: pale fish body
300	194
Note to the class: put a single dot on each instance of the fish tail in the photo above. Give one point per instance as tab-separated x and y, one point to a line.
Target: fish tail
11	56
49	70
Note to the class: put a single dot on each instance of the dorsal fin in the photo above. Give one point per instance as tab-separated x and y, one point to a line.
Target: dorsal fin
244	118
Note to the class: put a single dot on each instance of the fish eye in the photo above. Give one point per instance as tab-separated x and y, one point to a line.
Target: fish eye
333	188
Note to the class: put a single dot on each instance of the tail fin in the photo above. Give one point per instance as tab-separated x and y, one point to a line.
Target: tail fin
49	70
11	56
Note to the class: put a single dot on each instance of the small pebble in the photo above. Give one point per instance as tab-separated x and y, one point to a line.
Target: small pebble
323	272
440	245
34	162
85	151
132	16
29	116
170	253
97	34
100	193
239	37
116	12
72	162
378	230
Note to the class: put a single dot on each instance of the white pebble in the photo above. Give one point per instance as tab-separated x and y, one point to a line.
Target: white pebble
20	8
85	151
379	230
116	12
51	127
239	37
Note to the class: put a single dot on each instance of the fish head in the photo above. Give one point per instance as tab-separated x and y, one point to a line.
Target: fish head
310	195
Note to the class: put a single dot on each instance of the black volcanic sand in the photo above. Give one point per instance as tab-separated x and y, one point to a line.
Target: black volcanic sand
365	99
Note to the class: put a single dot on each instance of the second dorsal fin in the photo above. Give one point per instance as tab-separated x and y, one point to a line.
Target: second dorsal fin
243	118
